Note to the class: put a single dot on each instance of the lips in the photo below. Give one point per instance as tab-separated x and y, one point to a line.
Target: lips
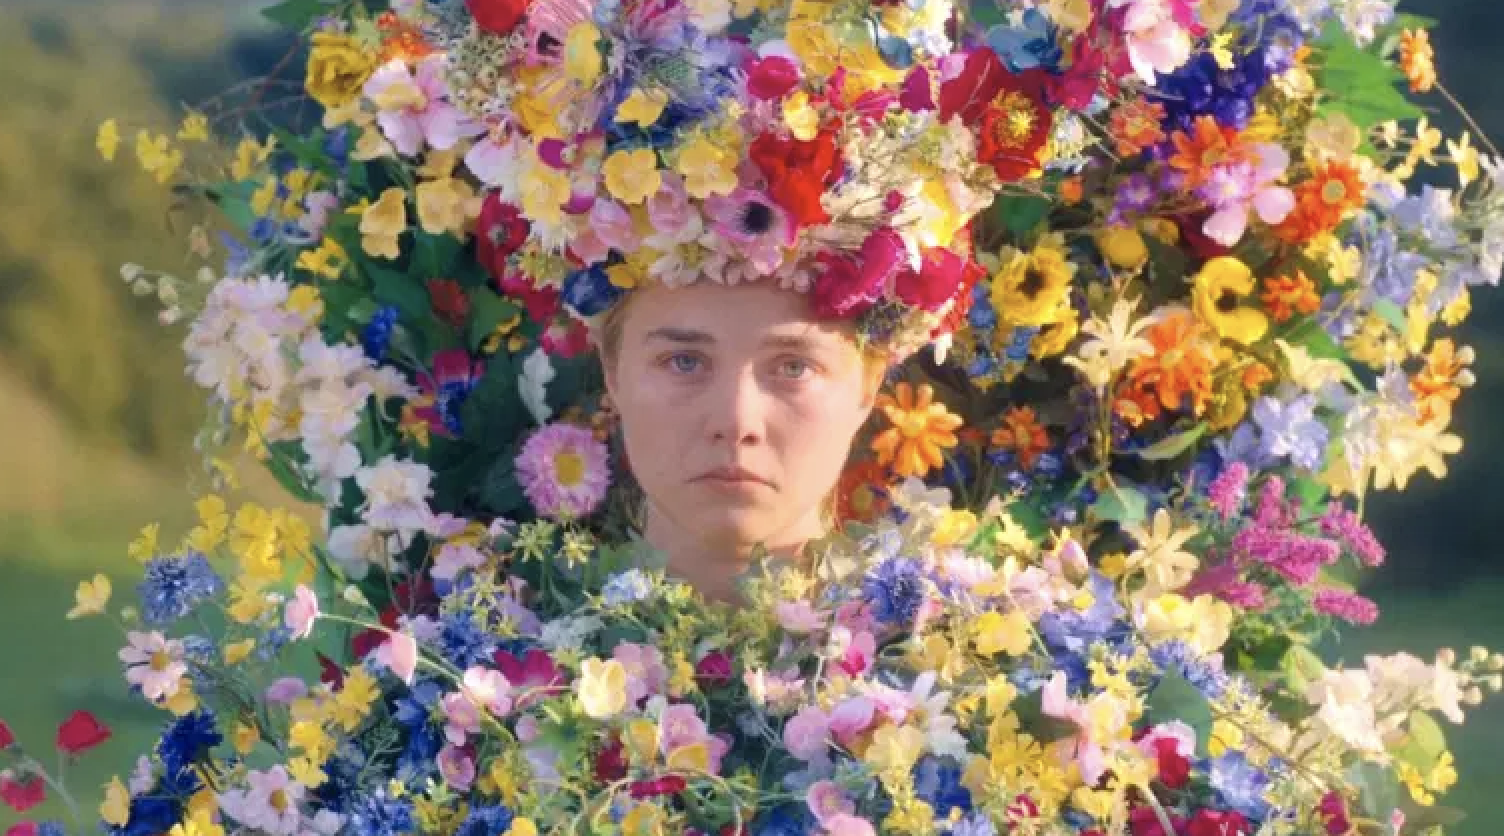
732	475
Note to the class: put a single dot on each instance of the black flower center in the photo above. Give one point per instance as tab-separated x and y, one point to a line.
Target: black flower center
757	218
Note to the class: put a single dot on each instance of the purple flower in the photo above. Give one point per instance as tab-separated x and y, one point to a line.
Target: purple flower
1227	492
1348	606
896	591
1291	430
1240	784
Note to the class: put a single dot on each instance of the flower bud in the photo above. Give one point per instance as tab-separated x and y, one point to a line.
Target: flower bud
169	316
143	287
1495	682
1446	657
1496	662
206	275
167	293
131	272
353	595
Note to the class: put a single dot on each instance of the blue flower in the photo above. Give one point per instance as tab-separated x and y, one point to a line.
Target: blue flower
938	782
464	642
1203	672
1291	430
627	587
150	814
895	589
417	712
589	292
1240	784
786	820
975	824
188	740
377	335
174	586
1072	632
1034	44
378	814
485	821
51	828
1202	87
337	793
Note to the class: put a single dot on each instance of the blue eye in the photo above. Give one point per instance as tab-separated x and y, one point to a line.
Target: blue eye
685	363
794	368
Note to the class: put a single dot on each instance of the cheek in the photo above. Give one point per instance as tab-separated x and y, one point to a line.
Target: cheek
818	432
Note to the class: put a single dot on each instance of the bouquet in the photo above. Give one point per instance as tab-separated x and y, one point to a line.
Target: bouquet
1176	303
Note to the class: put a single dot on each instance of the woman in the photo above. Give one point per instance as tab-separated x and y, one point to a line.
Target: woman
738	409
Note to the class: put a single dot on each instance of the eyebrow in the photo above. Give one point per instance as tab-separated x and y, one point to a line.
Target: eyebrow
679	335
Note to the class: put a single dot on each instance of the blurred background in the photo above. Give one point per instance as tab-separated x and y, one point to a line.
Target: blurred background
97	420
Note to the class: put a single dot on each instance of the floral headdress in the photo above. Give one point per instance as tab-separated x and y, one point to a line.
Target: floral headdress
837	148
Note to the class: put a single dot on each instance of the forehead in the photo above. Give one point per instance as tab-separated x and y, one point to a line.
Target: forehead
744	314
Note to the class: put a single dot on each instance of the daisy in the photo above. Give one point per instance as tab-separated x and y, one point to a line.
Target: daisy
154	664
564	470
269	803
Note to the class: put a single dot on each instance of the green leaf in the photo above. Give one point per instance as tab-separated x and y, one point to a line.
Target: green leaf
1018	215
1176	699
1032	719
397	289
1424	745
1172	446
284	463
1315	339
986	14
487	310
1378	789
1359	83
1301	667
1123	504
296	14
1392	314
494	416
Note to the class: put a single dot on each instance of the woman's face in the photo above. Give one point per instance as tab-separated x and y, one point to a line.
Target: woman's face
738	409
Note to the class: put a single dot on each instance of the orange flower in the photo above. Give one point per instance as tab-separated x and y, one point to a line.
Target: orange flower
922	428
1135	407
1135	126
862	493
400	39
1439	384
1334	189
1418	60
1210	145
1179	372
1022	435
1285	296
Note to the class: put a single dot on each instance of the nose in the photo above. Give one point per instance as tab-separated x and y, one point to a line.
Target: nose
737	410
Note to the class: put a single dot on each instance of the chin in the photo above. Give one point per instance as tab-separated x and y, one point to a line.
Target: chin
739	526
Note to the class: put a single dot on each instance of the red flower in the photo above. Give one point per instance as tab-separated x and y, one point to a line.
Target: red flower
1015	125
666	785
1144	821
21	794
1333	812
611	763
7	739
541	304
1174	768
329	672
847	287
798	172
935	282
771	77
81	732
916	95
449	301
1218	823
971	273
499	17
973	89
25	828
499	232
713	669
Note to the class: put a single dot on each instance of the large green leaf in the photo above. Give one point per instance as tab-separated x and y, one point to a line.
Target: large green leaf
494	416
1123	504
1176	699
1359	83
487	310
395	288
1172	446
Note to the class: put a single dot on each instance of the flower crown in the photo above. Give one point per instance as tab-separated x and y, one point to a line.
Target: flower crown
837	148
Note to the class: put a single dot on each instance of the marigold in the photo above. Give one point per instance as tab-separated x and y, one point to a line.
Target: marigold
1179	372
1135	127
1285	296
1022	435
1209	144
1418	59
1334	189
922	428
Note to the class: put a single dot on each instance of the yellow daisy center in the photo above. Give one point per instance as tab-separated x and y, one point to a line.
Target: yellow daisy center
569	468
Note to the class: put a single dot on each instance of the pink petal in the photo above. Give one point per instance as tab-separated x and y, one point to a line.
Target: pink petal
1274	204
1226	226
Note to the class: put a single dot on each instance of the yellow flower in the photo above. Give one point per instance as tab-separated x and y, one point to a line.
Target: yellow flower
823	46
237	652
116	808
522	827
304	300
895	749
545	190
922	428
214	521
248	155
382	223
108	139
707	169
632	176
194	128
1465	157
307	772
446	205
1205	622
1215	297
602	688
144	547
582	54
1123	247
1030	287
954	526
247	605
329	260
642	107
1160	556
157	156
338	66
995	633
801	118
643	820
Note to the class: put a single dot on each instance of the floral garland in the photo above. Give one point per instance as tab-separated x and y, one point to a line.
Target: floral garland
1195	324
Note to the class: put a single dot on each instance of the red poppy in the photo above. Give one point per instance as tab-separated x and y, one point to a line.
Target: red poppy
798	172
771	77
500	231
25	828
22	794
498	17
1015	126
81	732
450	303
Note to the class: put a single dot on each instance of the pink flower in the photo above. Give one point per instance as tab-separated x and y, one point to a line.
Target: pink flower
564	471
22	793
713	669
935	282
1348	606
1156	42
454	558
285	690
850	718
771	77
462	716
848	286
844	824
757	227
859	654
488	689
680	725
399	653
268	803
301	612
826	799
1183	736
646	674
1233	190
673	217
798	616
610	228
805	734
457	766
154	664
533	676
414	108
1227	492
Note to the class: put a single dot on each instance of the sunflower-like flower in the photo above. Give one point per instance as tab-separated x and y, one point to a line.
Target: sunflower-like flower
922	428
1217	288
1030	287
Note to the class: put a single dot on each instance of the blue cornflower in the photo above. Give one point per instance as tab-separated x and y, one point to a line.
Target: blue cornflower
627	587
417	712
174	586
51	828
895	589
272	643
1240	784
150	814
589	291
938	782
1032	44
485	821
377	335
378	814
1203	672
343	770
1073	632
464	642
188	740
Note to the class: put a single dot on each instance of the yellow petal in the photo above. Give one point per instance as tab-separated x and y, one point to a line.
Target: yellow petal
116	809
92	597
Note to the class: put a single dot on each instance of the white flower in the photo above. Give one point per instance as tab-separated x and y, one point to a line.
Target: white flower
154	663
268	804
1165	565
537	372
1115	343
1346	709
569	633
397	493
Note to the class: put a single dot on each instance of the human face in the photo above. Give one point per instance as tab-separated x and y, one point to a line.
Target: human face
737	408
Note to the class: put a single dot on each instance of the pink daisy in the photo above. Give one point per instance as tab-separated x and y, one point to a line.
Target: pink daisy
153	663
564	471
